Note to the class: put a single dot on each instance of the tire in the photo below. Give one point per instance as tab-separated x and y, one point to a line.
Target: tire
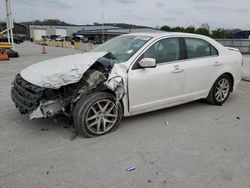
97	114
220	91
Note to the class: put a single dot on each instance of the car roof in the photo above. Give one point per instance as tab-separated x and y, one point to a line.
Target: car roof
160	34
166	34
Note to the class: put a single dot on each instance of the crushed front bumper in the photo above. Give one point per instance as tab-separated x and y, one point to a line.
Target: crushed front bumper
25	95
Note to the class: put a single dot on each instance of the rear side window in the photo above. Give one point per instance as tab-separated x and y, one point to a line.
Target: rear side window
199	48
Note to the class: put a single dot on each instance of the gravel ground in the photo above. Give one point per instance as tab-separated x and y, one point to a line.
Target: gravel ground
191	145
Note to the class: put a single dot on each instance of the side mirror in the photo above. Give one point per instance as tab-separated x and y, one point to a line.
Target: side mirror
147	63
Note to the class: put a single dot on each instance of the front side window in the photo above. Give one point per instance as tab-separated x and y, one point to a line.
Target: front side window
166	50
123	47
199	48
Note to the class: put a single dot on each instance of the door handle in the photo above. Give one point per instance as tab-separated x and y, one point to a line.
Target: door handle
177	70
216	64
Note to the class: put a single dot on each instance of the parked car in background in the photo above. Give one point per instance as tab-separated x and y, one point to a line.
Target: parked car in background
67	38
83	38
128	75
59	38
16	40
75	39
79	38
53	37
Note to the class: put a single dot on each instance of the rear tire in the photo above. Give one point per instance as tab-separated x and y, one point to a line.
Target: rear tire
97	114
220	91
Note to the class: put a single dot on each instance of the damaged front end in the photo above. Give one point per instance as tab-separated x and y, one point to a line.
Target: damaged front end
45	102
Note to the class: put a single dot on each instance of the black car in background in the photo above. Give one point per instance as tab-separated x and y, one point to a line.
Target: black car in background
80	39
16	40
53	37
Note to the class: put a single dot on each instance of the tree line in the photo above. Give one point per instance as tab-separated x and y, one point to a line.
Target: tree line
218	33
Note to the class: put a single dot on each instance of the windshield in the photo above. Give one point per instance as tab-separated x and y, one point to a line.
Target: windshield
123	47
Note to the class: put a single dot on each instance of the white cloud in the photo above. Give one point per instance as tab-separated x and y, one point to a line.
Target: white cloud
223	13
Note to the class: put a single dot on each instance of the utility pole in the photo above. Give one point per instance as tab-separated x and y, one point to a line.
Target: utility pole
9	23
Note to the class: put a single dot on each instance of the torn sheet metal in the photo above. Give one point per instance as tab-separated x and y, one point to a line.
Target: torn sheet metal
47	109
61	71
37	113
90	81
116	84
94	79
115	81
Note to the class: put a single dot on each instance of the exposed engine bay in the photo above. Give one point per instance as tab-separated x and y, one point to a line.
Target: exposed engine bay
42	102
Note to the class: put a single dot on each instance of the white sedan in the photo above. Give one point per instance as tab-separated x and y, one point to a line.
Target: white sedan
128	75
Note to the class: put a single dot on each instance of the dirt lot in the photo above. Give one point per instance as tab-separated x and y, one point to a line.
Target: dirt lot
192	145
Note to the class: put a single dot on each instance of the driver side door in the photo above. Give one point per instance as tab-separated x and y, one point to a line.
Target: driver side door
155	88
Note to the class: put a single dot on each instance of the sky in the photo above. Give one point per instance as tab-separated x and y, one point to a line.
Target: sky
153	13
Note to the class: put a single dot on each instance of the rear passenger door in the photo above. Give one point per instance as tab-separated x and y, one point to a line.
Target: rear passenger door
200	67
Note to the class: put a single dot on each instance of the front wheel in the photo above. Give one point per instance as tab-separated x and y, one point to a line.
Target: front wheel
97	114
220	90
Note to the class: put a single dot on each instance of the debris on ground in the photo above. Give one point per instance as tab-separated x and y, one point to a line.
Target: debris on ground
238	118
131	168
44	129
164	182
149	181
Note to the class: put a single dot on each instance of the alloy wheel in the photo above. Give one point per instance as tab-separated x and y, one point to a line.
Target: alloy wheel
101	116
222	90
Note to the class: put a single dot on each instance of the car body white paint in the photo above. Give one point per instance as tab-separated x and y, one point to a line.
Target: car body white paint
150	88
58	72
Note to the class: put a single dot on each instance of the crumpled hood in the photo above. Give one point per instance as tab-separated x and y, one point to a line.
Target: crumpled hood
58	72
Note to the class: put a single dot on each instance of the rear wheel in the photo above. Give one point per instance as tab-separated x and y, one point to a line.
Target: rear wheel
97	114
220	90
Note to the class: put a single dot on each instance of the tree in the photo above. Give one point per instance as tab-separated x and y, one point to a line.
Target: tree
219	34
205	26
190	29
165	28
52	21
202	31
178	29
